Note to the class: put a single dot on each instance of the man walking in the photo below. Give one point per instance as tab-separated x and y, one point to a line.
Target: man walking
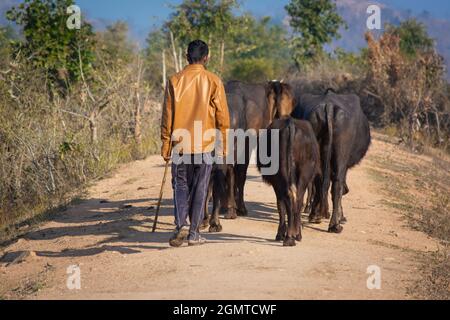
194	105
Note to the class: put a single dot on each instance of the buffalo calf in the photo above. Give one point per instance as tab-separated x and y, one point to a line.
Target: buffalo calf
299	165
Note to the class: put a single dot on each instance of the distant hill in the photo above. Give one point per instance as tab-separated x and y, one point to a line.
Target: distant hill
354	13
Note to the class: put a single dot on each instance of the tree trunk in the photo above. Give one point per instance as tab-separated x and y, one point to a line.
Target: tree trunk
180	56
137	119
164	69
411	122
174	52
137	111
93	127
427	119
222	56
438	127
210	46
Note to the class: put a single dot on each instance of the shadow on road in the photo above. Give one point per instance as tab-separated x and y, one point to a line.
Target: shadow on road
125	227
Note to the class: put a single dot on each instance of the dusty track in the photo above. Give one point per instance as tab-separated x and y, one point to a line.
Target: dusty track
120	258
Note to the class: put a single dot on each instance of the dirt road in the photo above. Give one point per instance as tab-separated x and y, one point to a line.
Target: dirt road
108	237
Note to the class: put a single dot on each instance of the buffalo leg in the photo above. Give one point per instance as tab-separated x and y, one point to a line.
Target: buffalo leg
206	219
322	185
229	205
214	222
326	181
219	197
289	203
346	191
241	176
317	204
309	199
338	188
335	223
281	235
343	218
301	190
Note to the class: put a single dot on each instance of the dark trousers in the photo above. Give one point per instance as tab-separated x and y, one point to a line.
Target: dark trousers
190	179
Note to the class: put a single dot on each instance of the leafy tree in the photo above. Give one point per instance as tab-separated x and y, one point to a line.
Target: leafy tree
210	20
116	49
242	47
356	59
258	51
201	19
7	35
413	37
48	43
158	45
252	70
315	23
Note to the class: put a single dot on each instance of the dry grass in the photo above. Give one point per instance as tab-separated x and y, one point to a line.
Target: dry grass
418	186
435	277
53	144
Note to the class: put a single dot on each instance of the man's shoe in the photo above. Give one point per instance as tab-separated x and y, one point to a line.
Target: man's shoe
178	237
197	242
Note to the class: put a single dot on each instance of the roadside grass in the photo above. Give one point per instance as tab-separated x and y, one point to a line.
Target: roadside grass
25	289
27	217
35	217
418	186
28	288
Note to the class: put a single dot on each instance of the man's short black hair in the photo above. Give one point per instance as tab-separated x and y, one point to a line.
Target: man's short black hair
197	50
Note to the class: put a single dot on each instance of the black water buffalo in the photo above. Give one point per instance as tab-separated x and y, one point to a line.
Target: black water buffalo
343	133
252	107
257	114
262	107
299	164
222	186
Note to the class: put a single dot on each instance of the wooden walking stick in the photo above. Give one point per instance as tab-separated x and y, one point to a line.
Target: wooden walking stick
160	196
166	169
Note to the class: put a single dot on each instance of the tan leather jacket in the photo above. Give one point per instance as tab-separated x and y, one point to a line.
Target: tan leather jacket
194	103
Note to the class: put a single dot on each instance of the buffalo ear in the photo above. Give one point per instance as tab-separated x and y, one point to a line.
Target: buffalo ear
270	89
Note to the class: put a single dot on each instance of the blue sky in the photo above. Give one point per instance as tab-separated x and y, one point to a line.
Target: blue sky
144	11
142	15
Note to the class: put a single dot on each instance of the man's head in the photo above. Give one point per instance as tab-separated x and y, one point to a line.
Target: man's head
198	52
